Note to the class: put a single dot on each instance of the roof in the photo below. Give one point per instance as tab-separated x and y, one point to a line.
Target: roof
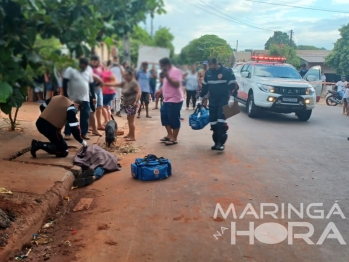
313	56
242	56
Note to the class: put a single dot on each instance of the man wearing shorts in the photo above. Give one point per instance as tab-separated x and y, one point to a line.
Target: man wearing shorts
78	85
143	78
173	100
98	70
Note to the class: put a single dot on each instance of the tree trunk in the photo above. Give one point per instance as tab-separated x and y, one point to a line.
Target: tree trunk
152	25
127	56
13	120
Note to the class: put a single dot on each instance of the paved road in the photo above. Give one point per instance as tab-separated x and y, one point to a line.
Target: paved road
274	159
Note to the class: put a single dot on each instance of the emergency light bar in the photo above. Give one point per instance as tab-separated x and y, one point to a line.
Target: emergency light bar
268	58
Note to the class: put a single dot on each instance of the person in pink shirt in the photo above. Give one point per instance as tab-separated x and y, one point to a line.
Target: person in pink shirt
109	94
172	92
97	70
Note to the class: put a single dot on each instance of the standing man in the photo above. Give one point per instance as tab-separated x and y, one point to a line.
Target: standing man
78	86
220	83
98	70
118	71
143	78
341	86
55	113
303	70
201	75
173	100
323	80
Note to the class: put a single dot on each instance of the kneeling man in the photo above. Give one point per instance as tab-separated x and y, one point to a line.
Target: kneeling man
55	113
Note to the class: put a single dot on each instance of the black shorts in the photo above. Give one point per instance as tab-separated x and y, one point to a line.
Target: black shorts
145	98
53	134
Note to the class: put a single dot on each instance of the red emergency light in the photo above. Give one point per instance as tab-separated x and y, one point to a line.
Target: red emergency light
268	58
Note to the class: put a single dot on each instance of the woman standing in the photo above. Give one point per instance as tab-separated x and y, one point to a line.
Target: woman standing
152	82
108	95
191	86
131	93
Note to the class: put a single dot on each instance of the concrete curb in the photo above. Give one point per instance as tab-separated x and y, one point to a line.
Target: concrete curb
49	201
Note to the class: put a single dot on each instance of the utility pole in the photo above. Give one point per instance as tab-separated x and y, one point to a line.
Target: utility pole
291	37
237	45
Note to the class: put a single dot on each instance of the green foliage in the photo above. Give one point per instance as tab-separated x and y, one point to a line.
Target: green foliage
309	47
222	53
286	51
163	38
279	38
139	37
32	31
339	57
202	48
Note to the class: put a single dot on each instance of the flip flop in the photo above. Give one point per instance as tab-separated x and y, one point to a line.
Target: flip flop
149	117
130	139
165	139
171	142
138	116
96	134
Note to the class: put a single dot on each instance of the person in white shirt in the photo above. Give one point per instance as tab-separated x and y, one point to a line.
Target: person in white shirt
323	79
78	86
192	86
118	72
345	100
340	86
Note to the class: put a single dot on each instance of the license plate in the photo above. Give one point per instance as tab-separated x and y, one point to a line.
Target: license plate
288	99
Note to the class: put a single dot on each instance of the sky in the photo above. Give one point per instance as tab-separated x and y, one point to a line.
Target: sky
251	23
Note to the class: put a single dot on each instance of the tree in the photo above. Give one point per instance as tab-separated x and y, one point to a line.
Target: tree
155	7
279	38
222	53
163	38
286	51
200	49
76	24
339	57
309	47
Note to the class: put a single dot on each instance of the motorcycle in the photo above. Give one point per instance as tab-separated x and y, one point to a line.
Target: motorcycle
334	98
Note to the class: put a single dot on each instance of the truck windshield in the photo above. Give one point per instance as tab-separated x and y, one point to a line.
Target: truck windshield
275	71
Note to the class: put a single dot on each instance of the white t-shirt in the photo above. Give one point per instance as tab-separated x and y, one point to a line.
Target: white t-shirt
78	85
116	70
192	82
323	78
341	85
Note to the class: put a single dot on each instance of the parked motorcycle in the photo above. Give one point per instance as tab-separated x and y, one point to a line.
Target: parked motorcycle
334	98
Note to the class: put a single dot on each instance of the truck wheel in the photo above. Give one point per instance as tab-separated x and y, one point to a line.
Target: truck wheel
304	115
252	109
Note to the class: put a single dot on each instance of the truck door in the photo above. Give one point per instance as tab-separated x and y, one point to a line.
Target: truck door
317	84
243	84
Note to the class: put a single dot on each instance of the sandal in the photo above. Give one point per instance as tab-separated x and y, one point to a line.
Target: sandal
165	139
97	134
171	142
130	139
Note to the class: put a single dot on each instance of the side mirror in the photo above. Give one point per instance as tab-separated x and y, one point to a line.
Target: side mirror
311	78
245	74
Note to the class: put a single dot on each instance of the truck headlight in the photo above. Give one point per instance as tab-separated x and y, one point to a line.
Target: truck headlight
310	91
266	88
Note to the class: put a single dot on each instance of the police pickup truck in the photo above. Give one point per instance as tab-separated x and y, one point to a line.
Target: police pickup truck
268	83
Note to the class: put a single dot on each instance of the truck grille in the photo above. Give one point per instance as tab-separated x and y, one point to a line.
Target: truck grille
289	90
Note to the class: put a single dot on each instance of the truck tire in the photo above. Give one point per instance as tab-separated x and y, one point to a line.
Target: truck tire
252	109
304	115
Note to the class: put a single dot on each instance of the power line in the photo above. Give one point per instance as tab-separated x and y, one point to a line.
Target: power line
300	7
236	20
